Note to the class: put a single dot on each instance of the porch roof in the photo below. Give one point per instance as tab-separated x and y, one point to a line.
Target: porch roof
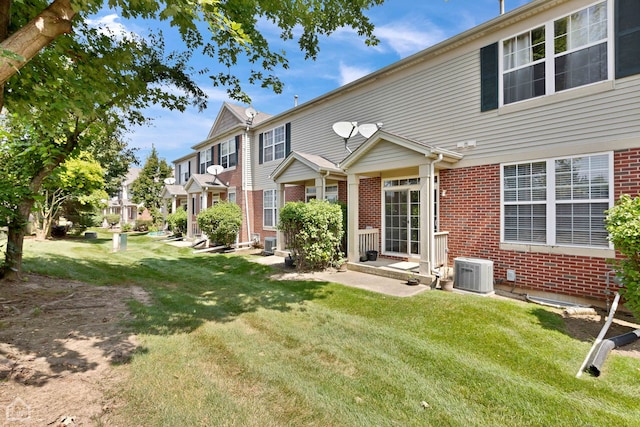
313	166
199	182
170	191
427	150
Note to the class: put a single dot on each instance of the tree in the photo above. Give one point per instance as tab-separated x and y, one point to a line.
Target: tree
232	29
147	187
77	178
61	104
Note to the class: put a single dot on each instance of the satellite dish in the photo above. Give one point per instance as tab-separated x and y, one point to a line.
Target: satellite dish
346	129
368	129
250	112
169	181
215	169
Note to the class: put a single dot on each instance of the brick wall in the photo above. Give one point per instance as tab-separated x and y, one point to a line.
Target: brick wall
294	193
370	214
470	211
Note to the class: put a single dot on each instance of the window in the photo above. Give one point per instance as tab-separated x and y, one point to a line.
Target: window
205	160
310	194
274	144
535	64
557	201
228	155
331	193
523	65
270	209
580	42
231	197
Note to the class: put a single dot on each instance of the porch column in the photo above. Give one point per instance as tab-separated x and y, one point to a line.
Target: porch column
190	215
353	195
320	188
280	201
174	201
426	219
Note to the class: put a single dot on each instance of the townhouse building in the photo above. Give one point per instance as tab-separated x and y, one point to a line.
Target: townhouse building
507	142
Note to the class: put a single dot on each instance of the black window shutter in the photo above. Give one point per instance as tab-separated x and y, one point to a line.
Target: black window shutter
189	169
627	37
489	77
237	154
179	174
212	155
260	148
219	156
198	162
287	139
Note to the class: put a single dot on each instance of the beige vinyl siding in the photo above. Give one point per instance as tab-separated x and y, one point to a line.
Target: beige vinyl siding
386	155
437	102
298	171
226	121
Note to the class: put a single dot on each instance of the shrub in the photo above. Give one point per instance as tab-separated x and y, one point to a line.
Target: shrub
112	219
126	227
178	221
221	222
313	232
143	224
623	225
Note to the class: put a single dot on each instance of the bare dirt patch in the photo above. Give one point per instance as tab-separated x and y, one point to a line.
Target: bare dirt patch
61	342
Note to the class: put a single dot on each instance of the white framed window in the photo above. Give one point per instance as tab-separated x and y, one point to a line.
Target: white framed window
270	208
274	144
205	160
228	155
331	193
557	202
565	53
310	193
231	197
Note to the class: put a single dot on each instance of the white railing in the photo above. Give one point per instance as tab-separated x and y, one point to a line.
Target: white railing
368	240
195	230
441	248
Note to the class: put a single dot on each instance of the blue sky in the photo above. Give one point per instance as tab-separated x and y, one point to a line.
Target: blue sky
404	27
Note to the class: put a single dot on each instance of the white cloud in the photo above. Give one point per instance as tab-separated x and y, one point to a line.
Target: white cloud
110	25
349	73
404	40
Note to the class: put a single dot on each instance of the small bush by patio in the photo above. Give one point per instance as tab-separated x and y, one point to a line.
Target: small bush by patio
313	233
178	221
221	222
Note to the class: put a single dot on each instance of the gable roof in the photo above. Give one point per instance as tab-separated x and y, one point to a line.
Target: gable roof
199	182
231	117
173	190
315	163
427	150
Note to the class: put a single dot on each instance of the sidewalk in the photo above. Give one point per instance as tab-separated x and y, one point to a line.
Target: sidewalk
379	284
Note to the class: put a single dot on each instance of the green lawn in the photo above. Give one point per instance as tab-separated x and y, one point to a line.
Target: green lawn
224	345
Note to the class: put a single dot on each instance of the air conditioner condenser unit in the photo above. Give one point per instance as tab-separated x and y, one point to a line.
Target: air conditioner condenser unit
475	275
270	245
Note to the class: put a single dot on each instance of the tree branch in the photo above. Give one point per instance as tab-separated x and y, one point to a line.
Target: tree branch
38	33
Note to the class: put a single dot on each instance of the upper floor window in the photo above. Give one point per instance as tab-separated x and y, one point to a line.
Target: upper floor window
562	54
274	144
557	201
206	160
228	155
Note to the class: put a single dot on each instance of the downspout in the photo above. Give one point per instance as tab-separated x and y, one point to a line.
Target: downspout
430	222
324	183
245	170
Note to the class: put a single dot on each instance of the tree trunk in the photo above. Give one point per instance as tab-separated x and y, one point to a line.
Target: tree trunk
12	270
52	22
